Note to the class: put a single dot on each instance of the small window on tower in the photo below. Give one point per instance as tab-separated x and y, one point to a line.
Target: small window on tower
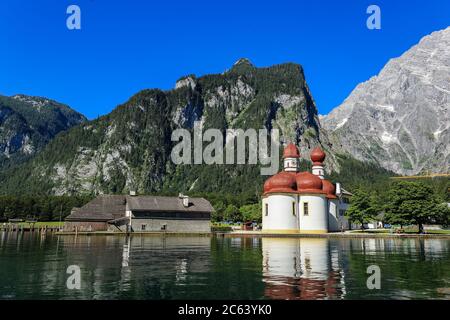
267	209
293	208
305	209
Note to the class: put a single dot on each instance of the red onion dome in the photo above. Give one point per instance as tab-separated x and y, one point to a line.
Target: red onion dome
307	182
329	188
281	182
291	151
317	156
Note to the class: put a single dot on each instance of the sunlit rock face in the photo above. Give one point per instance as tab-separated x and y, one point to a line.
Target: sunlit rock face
400	118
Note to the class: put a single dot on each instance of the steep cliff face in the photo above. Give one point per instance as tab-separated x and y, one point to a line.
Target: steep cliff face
400	119
130	147
27	124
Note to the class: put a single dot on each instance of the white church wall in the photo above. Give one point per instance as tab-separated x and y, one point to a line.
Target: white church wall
317	219
280	216
334	223
265	217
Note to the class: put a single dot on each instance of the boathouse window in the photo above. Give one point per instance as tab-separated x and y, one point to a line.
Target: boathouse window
293	208
267	209
143	227
305	209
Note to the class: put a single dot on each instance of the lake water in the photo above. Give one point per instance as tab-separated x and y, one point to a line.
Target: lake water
154	267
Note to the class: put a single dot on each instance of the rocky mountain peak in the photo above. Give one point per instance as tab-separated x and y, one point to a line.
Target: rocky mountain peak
243	61
187	81
400	118
242	66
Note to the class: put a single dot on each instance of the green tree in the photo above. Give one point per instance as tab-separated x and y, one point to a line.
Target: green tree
415	203
362	208
45	208
251	212
219	211
232	213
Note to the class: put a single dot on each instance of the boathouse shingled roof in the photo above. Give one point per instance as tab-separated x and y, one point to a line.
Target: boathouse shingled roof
112	207
102	208
173	204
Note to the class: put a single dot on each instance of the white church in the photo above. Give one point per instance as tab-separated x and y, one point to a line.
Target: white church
303	202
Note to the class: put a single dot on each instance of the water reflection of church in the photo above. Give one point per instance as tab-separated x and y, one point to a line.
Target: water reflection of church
292	268
302	269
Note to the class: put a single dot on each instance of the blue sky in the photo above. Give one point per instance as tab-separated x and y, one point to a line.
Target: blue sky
127	46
